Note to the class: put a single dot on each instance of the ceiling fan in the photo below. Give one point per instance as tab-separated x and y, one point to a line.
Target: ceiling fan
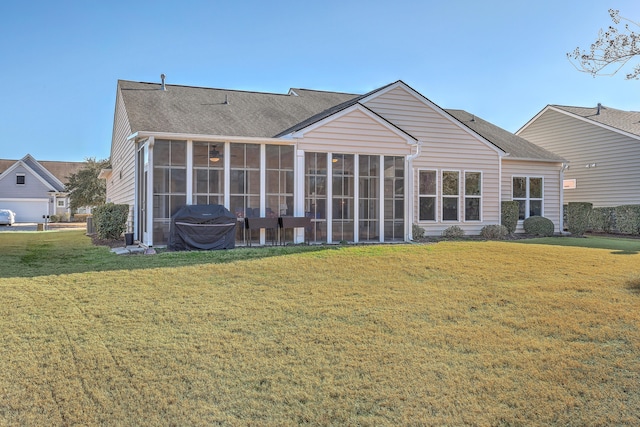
215	155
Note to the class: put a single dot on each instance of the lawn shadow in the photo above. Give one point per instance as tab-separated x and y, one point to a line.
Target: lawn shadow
634	285
42	260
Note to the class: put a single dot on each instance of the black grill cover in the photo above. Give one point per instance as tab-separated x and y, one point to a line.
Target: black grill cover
202	227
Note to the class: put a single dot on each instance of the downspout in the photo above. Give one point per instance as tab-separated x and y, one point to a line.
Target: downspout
410	196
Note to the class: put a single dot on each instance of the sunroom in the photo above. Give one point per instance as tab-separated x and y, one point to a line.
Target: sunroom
347	196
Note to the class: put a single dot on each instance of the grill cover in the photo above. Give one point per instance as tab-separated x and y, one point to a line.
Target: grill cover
202	227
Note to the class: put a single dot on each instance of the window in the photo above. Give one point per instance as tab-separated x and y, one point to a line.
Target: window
169	184
393	198
369	198
315	178
472	195
450	195
427	194
208	173
20	179
279	184
342	181
61	203
527	191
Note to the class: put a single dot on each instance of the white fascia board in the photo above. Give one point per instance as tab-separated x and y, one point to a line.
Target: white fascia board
363	109
45	170
420	97
200	137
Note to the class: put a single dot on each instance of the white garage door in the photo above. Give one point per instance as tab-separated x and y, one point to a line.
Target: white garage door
26	210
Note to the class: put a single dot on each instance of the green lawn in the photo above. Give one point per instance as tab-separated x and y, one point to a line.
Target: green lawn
453	333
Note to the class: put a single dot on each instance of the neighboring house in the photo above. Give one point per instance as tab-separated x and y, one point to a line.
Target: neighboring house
32	189
602	145
364	168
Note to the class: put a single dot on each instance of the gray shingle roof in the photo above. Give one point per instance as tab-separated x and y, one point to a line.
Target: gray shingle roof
196	110
206	111
516	146
627	121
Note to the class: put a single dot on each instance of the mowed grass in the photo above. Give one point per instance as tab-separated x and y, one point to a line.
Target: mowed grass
453	333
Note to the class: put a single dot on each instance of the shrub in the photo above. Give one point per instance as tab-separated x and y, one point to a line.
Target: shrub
602	220
110	220
628	219
417	232
494	232
453	232
510	213
578	217
538	226
55	218
80	217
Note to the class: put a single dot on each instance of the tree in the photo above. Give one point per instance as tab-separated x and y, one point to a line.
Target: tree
613	48
84	187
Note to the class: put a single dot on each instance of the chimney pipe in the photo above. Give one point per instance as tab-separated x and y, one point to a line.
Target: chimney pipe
599	107
162	77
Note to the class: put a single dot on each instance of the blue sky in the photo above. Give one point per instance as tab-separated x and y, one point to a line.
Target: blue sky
503	61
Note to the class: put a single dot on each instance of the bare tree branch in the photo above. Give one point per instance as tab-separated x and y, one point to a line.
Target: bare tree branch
612	50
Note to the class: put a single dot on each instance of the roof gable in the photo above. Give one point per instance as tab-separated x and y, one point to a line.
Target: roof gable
373	117
50	173
34	170
623	122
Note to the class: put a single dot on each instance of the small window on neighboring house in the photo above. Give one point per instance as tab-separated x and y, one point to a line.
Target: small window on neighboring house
61	203
20	179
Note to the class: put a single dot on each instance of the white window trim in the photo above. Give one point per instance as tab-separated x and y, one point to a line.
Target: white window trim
442	196
435	196
528	199
464	190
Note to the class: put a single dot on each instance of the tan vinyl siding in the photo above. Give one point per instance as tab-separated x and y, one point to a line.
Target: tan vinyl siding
551	186
615	178
355	132
120	185
446	147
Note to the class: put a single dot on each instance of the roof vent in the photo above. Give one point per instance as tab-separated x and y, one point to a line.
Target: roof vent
598	111
162	77
226	99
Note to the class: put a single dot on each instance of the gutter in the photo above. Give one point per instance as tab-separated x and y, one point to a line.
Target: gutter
209	138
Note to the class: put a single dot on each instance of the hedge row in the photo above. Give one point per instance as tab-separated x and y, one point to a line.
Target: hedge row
620	219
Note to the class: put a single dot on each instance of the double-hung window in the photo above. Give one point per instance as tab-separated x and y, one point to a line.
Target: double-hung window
472	195
427	194
528	191
450	195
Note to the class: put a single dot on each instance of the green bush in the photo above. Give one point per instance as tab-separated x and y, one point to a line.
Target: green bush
110	220
628	219
578	217
494	232
417	232
538	226
602	220
510	213
453	232
55	218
